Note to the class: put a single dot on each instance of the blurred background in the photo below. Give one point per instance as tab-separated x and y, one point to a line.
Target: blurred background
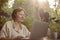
31	10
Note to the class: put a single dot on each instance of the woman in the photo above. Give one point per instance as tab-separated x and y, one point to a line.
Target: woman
15	28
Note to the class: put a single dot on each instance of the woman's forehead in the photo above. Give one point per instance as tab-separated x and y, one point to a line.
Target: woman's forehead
21	12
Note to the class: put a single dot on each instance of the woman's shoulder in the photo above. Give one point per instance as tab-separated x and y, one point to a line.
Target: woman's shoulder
6	25
23	25
9	23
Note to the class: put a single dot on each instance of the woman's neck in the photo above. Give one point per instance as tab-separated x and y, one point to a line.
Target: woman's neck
17	23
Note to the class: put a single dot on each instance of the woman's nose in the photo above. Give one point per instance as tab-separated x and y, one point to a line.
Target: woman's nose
22	16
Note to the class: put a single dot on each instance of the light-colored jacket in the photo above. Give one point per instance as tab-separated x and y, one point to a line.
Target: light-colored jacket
9	32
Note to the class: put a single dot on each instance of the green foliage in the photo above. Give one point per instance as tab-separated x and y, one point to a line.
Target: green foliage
2	19
19	1
2	2
6	9
28	21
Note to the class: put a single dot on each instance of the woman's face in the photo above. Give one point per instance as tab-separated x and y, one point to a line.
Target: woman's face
20	16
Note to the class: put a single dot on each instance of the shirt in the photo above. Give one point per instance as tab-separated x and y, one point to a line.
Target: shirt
8	30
